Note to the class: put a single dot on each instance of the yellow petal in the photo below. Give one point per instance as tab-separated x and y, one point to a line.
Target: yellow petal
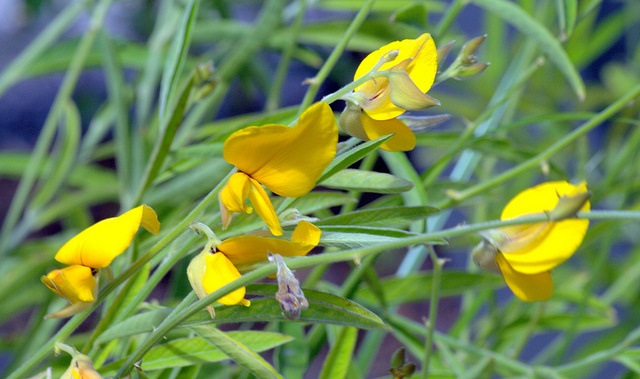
418	57
251	248
232	197
264	208
220	272
286	160
99	244
535	287
403	138
77	284
195	272
559	240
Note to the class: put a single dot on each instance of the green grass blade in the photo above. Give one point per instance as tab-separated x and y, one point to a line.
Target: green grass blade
177	57
337	363
520	19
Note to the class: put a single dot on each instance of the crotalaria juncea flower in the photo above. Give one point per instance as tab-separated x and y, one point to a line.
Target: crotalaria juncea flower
90	250
99	244
525	254
218	266
286	160
403	72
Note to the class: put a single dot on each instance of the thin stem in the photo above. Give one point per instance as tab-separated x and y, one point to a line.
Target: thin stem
544	155
275	90
317	80
433	310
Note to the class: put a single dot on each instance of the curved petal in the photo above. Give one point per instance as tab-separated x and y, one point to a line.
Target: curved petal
421	53
559	240
264	208
99	244
219	272
251	248
288	161
74	283
535	287
232	197
418	57
403	138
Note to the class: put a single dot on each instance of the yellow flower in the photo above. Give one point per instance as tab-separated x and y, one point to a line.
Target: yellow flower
92	249
406	70
525	254
286	160
99	244
216	267
76	284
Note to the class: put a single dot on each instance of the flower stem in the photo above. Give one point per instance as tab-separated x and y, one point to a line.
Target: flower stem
433	310
317	80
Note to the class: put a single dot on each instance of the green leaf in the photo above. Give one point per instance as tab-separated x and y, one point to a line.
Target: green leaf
319	200
397	216
324	308
337	363
417	287
367	181
516	16
177	57
351	237
191	351
61	162
236	350
350	157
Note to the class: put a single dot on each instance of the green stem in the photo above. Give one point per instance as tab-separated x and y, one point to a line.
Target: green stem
607	113
317	80
433	310
450	15
273	98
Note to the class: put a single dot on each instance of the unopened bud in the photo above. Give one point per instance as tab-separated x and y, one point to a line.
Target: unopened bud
471	46
443	51
468	71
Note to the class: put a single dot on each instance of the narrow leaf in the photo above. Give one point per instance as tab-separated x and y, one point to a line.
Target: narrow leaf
337	363
516	16
236	350
177	56
191	351
350	157
396	216
367	181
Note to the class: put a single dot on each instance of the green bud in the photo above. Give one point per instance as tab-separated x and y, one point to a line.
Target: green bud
468	71
471	46
397	359
568	206
350	123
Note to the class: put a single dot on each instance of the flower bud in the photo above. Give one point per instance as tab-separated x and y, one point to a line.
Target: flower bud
289	295
350	121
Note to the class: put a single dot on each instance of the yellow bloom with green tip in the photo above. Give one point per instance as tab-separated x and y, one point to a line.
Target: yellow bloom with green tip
286	160
213	269
99	244
525	254
408	71
90	250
